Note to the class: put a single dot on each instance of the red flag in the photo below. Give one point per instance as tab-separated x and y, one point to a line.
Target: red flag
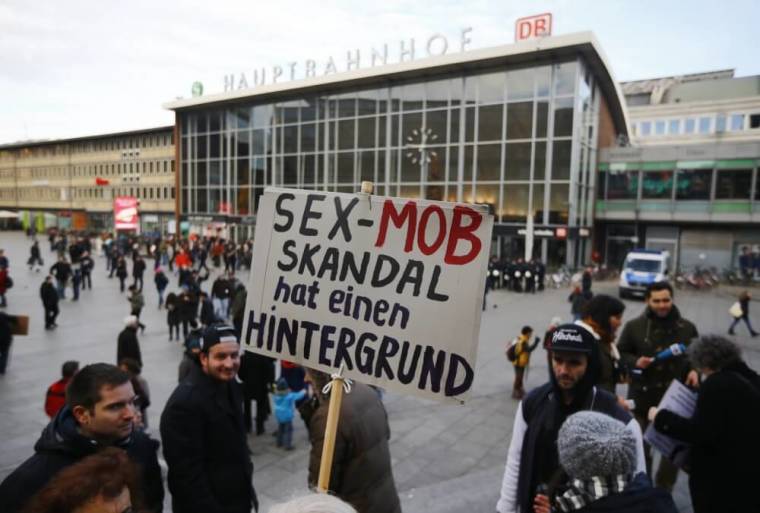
101	181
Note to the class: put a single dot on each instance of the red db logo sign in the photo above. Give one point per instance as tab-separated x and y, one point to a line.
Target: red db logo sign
532	27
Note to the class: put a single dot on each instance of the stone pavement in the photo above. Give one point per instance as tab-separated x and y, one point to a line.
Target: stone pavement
446	458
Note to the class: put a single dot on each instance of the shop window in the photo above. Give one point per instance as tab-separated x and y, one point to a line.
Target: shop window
734	184
659	127
754	121
657	185
645	128
693	184
690	125
622	184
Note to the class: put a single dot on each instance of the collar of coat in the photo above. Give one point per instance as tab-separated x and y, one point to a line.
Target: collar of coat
582	492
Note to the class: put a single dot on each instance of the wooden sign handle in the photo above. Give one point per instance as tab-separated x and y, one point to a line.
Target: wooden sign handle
331	431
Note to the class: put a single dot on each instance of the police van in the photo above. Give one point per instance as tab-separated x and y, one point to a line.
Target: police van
641	268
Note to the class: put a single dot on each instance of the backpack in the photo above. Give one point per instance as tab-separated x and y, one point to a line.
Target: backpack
512	351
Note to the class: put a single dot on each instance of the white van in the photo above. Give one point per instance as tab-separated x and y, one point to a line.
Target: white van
641	268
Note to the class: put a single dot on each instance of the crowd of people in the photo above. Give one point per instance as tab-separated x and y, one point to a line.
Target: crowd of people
577	443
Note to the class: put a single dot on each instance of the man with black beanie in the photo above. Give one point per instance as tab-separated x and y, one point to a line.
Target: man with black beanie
532	462
203	433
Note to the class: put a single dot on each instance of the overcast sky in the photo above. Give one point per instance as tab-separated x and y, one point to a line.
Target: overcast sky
79	67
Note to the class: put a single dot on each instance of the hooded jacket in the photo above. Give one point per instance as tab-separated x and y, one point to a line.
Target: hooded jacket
61	445
361	470
532	458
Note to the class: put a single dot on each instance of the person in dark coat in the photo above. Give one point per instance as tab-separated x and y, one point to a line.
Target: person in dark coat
725	447
50	298
86	264
121	272
658	327
161	282
34	257
597	454
7	323
207	310
188	309
99	412
62	272
138	270
127	345
361	470
257	374
744	299
203	433
173	315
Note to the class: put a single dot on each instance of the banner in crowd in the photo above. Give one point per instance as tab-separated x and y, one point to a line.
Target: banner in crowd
125	213
389	288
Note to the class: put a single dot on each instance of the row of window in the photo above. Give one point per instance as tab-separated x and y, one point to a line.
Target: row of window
509	202
498	87
708	124
681	184
516	121
116	169
482	162
109	144
106	193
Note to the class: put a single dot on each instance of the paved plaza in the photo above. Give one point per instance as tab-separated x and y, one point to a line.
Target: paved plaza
445	458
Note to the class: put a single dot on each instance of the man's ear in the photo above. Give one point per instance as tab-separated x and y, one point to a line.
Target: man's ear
82	415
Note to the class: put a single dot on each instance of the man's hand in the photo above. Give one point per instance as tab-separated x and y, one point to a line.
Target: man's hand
541	504
623	403
644	361
692	379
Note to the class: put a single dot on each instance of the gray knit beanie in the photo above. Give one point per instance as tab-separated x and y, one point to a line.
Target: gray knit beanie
594	444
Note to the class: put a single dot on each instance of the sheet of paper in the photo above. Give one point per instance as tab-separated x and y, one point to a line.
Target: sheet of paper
682	401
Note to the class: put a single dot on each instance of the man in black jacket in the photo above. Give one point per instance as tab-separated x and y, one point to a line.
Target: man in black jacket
49	297
62	272
138	269
532	460
204	437
99	412
656	329
127	345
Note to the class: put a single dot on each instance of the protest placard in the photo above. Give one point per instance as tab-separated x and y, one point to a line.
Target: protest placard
682	401
389	288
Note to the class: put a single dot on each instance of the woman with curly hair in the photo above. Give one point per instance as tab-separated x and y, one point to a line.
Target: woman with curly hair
103	482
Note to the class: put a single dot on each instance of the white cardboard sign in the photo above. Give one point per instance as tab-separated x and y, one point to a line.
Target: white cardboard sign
390	288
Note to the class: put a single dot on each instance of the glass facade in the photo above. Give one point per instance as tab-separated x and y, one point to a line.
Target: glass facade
520	140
